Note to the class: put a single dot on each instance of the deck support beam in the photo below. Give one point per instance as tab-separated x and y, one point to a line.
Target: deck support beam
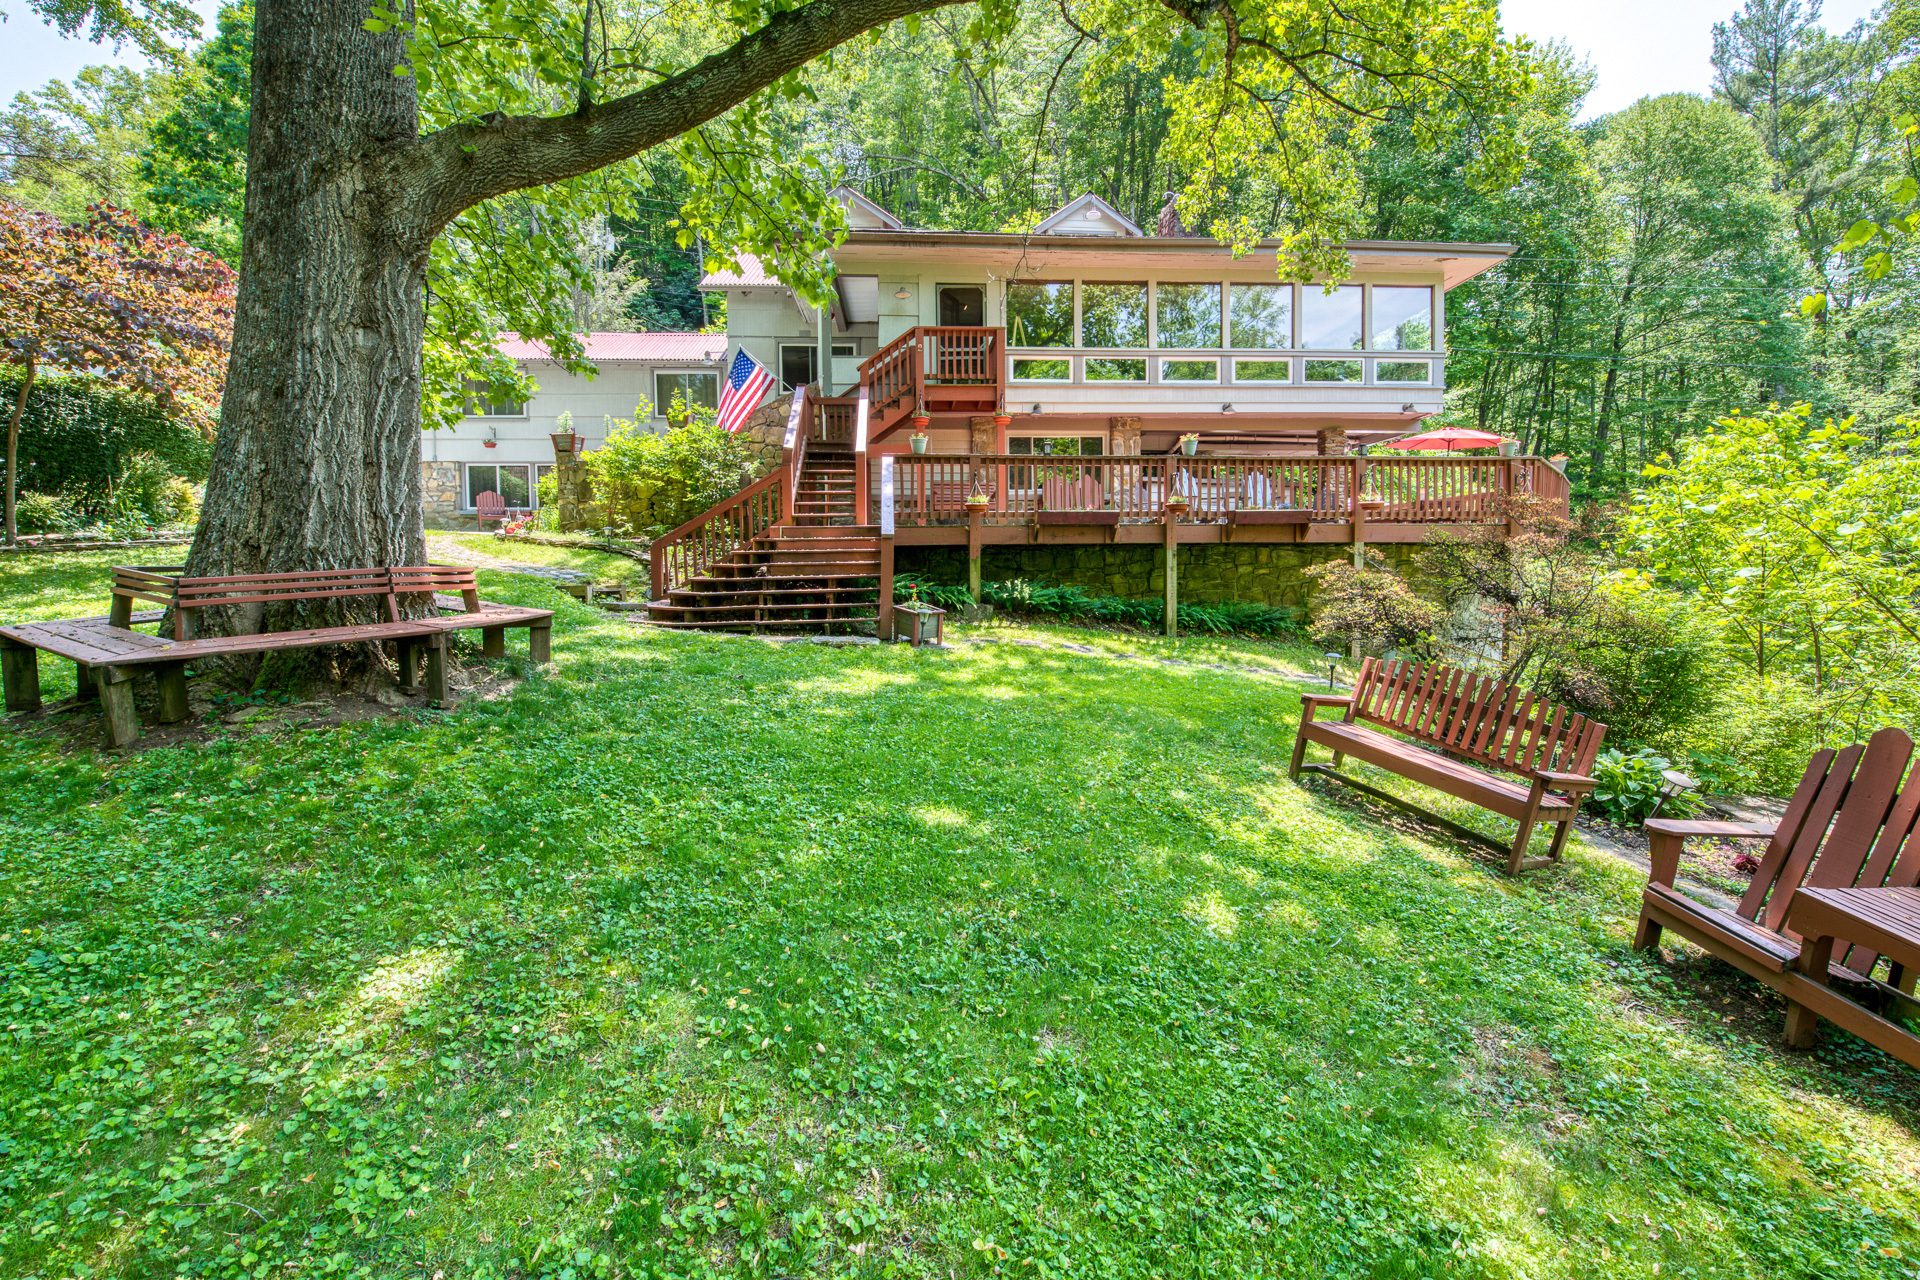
976	523
1173	574
883	610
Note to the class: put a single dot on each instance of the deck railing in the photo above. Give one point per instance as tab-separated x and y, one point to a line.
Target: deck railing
932	489
941	355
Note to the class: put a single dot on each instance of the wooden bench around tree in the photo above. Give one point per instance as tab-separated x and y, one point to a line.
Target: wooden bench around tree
1423	710
1840	869
108	653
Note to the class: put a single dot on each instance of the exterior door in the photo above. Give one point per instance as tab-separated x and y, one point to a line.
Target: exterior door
963	304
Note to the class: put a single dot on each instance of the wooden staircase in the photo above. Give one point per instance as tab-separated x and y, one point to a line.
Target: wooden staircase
792	551
818	573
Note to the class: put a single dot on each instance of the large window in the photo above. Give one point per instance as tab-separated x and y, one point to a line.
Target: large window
483	403
1113	315
1187	315
684	390
1402	318
510	482
1330	321
1262	316
1040	314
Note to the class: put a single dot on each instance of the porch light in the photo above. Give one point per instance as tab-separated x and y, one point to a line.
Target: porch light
1093	215
903	293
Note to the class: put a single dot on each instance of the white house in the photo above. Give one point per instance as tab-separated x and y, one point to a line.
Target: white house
505	447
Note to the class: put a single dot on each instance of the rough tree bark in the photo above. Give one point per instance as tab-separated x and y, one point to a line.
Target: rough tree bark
13	449
317	463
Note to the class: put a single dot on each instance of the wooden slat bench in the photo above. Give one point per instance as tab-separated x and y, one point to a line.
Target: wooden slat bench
108	653
1474	720
1840	869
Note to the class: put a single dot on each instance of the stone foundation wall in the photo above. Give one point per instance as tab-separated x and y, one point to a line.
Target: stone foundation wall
440	490
1271	574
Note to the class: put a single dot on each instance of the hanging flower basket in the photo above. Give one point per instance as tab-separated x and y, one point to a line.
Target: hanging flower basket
1002	421
921	422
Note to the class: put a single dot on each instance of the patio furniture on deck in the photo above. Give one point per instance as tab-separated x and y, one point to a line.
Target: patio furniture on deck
1835	892
1474	720
108	653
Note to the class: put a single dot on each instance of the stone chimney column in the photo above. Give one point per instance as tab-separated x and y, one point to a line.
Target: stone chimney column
1126	435
981	435
1332	443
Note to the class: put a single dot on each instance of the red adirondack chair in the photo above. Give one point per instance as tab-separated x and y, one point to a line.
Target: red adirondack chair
1832	896
489	506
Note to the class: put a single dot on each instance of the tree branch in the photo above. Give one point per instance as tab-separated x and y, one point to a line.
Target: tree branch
455	168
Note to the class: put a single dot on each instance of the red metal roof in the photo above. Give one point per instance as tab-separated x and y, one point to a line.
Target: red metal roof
751	275
659	348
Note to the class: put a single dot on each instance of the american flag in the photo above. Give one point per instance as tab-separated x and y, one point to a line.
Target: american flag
747	385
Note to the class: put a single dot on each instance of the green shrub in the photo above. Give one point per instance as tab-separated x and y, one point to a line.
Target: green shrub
1629	789
43	513
1038	599
648	482
77	435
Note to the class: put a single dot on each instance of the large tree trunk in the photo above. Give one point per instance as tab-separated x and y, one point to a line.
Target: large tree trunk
13	450
317	464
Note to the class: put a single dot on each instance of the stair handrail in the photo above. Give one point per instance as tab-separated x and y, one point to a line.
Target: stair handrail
733	522
799	428
860	456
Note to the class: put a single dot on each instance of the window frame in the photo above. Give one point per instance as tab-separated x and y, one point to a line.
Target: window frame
474	391
660	403
468	493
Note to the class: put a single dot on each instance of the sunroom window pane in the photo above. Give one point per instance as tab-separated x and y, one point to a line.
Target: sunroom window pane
1099	370
1040	371
1333	371
1402	371
1187	315
1263	371
1262	317
1189	371
1330	321
1402	318
1040	314
1113	315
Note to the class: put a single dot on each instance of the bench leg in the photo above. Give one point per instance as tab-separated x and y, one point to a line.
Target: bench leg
1560	839
116	704
408	653
172	678
1299	757
20	673
1520	839
1803	1024
1648	934
540	643
84	689
493	642
1339	758
120	612
437	691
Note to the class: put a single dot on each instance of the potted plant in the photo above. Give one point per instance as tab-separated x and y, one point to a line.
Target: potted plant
977	500
1001	421
918	441
1177	504
1189	443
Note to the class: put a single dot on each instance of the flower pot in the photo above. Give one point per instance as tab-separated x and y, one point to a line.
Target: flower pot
1177	507
921	422
1002	421
1189	447
490	444
976	504
919	443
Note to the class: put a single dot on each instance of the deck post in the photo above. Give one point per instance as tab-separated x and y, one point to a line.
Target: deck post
20	665
1173	573
883	604
976	520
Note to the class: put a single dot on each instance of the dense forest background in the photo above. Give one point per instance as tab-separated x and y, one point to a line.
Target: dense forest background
1665	252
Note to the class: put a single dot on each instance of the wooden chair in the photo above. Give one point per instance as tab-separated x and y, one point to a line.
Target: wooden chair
1850	826
1475	720
489	506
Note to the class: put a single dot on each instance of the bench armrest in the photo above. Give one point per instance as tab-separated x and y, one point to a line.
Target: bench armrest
1666	837
1578	783
1312	702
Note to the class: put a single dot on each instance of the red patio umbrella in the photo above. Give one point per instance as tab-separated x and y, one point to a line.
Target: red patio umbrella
1445	438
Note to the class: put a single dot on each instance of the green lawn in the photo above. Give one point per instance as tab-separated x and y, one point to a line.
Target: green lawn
703	956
